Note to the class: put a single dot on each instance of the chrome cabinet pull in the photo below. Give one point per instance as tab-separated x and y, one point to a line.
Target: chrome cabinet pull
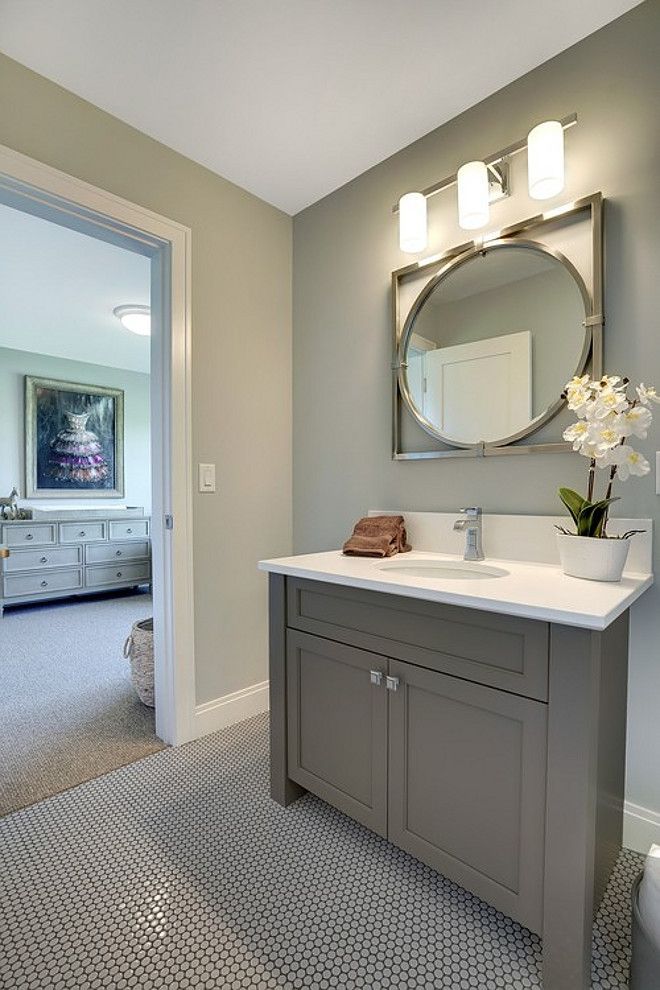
43	560
82	533
118	573
117	553
29	536
129	530
392	683
376	677
44	584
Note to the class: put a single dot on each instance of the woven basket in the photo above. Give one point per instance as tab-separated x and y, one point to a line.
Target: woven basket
139	649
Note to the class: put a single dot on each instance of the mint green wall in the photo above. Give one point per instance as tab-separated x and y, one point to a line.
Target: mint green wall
14	365
345	247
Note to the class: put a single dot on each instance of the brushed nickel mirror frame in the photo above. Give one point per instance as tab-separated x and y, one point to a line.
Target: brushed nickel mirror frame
524	235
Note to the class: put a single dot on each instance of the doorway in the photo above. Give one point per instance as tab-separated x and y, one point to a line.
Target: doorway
42	192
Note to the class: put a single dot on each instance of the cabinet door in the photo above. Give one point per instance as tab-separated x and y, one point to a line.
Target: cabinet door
467	786
337	727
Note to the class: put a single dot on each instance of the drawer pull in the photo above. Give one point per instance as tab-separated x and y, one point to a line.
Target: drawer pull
129	530
82	533
29	536
376	677
118	573
43	560
44	584
117	553
392	683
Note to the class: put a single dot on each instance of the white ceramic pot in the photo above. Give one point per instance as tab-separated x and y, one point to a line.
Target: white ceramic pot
592	558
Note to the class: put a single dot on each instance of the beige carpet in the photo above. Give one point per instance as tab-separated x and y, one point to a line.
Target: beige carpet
68	711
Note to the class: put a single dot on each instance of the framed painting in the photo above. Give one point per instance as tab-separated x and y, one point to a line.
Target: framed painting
74	440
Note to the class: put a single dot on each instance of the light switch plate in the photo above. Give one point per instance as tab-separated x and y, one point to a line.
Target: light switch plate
207	477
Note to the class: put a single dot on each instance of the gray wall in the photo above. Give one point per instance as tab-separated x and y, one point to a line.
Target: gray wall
241	346
346	246
14	365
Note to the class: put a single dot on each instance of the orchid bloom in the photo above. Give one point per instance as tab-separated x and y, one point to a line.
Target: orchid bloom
629	461
605	434
636	420
577	434
606	418
608	401
647	394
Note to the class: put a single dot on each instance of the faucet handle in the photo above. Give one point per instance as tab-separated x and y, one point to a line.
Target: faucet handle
473	511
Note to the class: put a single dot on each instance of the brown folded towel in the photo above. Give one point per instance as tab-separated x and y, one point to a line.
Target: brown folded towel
378	536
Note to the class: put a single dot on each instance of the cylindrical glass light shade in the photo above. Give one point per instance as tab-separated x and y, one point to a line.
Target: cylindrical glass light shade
413	234
473	201
545	160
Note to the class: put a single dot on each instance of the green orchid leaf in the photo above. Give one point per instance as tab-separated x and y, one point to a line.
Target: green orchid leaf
592	517
573	502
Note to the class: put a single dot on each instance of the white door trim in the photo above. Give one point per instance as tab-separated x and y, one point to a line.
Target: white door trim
172	430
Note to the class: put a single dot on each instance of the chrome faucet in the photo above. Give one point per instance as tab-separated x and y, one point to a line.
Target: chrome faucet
471	526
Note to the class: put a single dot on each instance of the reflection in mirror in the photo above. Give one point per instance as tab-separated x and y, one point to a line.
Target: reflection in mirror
493	344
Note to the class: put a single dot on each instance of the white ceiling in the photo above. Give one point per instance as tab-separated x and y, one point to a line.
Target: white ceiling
58	289
291	98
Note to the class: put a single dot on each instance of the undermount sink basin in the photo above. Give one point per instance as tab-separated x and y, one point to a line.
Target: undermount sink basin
455	570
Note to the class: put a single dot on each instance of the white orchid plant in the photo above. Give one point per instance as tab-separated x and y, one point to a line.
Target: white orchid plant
609	412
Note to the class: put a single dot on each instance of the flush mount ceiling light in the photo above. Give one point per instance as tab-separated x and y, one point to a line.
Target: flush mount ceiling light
135	318
545	160
483	182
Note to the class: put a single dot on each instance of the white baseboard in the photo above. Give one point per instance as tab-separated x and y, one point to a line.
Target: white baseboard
231	708
641	827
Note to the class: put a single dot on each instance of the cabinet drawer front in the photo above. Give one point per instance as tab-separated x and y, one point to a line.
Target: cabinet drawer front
30	560
134	529
37	584
467	786
83	532
337	729
99	553
29	536
98	576
498	650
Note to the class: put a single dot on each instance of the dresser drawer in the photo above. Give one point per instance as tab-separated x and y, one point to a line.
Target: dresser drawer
132	529
496	650
83	532
31	560
99	553
16	585
99	575
40	534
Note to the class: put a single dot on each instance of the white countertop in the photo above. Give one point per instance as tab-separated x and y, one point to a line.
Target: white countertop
532	590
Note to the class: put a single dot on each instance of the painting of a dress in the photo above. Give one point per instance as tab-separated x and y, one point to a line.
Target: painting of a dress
74	439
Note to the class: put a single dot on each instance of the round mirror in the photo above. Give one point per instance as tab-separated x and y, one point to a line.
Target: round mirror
491	341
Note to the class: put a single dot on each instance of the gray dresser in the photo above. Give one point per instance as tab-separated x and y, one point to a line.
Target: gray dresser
81	555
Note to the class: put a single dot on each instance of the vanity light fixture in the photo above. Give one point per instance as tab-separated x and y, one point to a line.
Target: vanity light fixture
545	160
135	318
545	148
413	231
473	195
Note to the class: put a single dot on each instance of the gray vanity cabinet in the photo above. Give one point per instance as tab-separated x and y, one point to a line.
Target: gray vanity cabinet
467	786
491	747
450	771
338	726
